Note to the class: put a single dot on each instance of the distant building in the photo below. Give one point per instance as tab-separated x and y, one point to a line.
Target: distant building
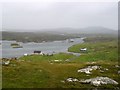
70	40
83	49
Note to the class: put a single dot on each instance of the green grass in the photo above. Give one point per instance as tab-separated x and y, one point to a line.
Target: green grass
96	51
37	71
32	74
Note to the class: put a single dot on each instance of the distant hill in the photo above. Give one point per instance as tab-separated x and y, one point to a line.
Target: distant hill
33	36
99	30
88	30
56	34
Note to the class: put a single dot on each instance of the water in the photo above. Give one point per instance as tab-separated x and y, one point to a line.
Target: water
45	47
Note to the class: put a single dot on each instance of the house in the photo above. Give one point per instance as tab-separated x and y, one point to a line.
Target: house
83	49
38	52
71	40
25	54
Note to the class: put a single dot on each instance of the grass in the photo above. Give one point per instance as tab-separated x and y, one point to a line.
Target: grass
37	71
97	51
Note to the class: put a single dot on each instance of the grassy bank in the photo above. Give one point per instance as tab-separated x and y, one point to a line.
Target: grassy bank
97	51
37	71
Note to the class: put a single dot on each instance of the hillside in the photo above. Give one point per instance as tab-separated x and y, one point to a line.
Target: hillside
56	34
33	36
61	70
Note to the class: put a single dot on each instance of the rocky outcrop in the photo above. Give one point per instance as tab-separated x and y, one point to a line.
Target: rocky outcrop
99	81
89	69
6	63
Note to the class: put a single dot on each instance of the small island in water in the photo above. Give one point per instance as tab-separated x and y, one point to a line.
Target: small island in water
16	45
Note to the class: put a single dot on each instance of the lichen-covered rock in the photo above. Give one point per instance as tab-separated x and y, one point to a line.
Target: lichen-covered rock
75	80
96	83
88	69
95	67
69	80
72	80
99	81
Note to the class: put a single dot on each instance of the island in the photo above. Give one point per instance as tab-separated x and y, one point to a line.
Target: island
16	45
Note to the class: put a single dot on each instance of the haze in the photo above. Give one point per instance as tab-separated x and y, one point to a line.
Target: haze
39	16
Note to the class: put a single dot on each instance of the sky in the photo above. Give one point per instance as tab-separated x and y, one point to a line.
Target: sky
34	15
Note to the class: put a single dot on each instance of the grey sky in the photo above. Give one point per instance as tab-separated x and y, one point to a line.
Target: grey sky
36	16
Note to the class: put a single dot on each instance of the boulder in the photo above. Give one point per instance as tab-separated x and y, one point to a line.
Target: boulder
118	72
6	63
95	83
69	80
117	66
95	67
99	81
88	69
72	80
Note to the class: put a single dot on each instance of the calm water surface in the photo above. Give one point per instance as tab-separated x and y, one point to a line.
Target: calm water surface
45	47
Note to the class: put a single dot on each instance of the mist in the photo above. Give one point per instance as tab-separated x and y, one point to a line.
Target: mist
53	15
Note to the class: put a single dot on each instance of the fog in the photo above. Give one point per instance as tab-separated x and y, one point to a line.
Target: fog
50	15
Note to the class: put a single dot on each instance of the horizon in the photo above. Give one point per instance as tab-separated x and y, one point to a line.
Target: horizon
54	29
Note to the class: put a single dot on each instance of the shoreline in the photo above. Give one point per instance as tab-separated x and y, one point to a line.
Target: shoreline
82	38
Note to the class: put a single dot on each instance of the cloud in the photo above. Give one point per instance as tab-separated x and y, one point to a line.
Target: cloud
31	16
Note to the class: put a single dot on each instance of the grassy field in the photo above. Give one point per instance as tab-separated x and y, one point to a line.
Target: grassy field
97	51
37	71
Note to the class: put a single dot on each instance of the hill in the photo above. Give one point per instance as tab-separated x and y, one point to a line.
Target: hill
56	34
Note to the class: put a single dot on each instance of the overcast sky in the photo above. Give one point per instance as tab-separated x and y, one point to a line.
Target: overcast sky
45	15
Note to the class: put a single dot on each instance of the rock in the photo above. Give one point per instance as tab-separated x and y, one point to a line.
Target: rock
88	69
106	69
95	67
87	72
85	81
99	81
93	62
75	80
95	83
69	80
57	60
101	71
72	80
118	72
6	63
117	66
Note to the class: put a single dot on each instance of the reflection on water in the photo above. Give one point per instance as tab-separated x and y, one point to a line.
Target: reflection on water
45	47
